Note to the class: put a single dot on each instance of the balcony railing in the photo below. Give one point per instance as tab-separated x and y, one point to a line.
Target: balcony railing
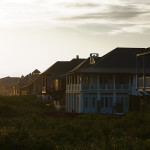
122	86
73	87
92	87
140	82
89	87
106	86
143	83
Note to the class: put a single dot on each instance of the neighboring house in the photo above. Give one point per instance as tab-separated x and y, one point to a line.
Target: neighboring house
104	86
5	85
143	71
53	84
30	84
33	87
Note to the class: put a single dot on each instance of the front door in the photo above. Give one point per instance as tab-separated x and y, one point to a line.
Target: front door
106	104
90	103
121	105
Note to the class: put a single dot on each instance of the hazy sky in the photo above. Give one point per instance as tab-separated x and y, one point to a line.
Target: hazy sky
37	33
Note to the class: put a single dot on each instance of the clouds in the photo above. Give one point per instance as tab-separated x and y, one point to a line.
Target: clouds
60	29
77	13
125	17
116	13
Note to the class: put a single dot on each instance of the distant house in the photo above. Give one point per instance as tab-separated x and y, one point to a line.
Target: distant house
5	85
34	87
30	84
143	71
53	83
103	85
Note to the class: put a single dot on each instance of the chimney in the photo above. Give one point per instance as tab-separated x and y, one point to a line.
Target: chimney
92	58
77	56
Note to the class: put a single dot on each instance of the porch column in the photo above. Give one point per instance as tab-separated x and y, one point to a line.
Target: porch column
72	102
137	72
98	94
66	80
75	79
67	83
81	103
143	71
81	82
69	79
114	84
67	102
129	82
78	79
114	99
78	84
98	83
114	92
75	100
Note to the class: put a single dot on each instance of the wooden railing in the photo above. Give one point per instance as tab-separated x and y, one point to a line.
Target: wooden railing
147	82
143	83
91	87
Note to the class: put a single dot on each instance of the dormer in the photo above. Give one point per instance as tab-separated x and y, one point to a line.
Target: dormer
36	72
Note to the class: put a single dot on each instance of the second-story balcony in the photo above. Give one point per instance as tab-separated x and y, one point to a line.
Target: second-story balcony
143	83
96	87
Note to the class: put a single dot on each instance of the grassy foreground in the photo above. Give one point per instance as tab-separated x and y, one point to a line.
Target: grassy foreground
29	124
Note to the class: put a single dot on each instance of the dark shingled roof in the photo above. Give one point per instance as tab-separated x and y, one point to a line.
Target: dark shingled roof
36	71
119	60
144	52
30	82
84	64
9	80
61	67
28	78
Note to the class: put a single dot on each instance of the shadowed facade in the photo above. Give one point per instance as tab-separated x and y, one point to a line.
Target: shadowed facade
104	86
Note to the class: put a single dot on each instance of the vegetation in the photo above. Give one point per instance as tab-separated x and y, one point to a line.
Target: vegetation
30	124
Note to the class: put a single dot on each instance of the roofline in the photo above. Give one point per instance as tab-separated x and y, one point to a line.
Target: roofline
131	47
30	82
143	53
52	65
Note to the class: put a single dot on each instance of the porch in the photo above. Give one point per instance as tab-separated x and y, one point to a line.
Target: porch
97	87
143	83
99	82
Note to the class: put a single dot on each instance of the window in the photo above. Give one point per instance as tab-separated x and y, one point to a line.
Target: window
86	102
93	102
102	102
110	101
126	101
106	102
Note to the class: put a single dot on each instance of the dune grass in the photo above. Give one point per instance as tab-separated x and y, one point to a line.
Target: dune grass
29	124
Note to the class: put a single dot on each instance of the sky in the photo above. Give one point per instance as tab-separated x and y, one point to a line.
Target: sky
34	34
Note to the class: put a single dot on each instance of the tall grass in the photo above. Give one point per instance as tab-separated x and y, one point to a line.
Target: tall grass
29	124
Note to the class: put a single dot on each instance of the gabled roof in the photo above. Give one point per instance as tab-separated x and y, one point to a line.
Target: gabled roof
61	67
36	71
9	81
28	78
146	51
119	60
84	64
31	82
